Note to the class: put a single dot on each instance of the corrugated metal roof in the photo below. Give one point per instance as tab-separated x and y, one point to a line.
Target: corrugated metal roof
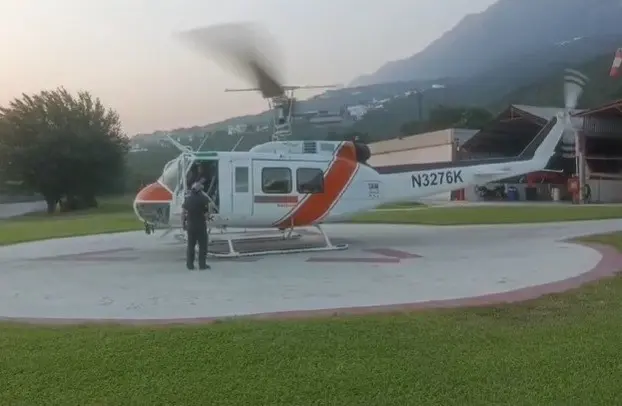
615	104
461	135
545	113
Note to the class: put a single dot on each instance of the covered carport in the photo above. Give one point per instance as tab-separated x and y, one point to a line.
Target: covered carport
510	135
599	157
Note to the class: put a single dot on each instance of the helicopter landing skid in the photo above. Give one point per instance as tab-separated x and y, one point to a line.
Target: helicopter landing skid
231	252
225	236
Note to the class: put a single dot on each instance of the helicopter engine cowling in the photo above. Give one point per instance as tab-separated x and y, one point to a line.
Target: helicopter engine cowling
363	153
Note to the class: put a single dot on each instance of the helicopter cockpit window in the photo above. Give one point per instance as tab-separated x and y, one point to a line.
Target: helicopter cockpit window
276	180
310	180
170	175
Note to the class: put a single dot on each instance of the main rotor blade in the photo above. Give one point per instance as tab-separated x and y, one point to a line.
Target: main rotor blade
241	47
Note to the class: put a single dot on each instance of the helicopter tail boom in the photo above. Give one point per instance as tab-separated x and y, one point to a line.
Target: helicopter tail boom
411	182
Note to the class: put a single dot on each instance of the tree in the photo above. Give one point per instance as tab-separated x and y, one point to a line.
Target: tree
62	146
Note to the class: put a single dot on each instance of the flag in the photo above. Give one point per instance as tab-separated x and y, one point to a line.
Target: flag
615	66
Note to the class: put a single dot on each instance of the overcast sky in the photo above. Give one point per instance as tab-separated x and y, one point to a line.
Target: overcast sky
123	51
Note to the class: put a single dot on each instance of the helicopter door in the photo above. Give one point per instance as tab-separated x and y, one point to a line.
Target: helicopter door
242	196
274	190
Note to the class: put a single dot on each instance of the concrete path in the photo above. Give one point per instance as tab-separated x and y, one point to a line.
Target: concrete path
8	210
133	277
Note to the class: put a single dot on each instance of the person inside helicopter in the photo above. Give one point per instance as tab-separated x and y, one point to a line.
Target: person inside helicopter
193	176
196	209
204	173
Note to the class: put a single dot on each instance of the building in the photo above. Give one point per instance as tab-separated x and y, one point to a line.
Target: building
511	133
437	146
507	136
599	146
591	154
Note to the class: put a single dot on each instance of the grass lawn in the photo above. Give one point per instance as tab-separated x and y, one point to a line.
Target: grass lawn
491	214
113	215
404	205
116	215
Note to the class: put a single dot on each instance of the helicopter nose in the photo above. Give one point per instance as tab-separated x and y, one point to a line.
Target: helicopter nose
154	193
152	204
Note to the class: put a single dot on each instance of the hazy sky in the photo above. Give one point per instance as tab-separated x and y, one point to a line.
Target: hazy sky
123	51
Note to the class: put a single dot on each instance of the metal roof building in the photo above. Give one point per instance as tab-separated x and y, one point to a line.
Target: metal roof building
511	132
437	146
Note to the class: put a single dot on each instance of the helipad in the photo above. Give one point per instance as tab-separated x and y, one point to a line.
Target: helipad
134	277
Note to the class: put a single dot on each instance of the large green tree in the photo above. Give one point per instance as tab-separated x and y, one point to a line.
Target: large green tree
63	146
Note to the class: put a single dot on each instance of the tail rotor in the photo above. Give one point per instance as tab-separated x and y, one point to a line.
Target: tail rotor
574	83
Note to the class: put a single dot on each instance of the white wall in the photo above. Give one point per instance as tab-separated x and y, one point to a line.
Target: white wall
437	146
8	210
607	191
439	153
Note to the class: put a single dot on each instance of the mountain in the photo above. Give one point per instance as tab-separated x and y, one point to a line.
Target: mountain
508	28
477	90
494	84
396	103
484	58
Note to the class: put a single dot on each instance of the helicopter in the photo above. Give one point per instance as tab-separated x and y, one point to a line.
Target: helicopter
283	185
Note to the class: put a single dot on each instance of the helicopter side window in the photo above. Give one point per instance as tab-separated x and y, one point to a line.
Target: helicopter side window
310	180
276	180
241	179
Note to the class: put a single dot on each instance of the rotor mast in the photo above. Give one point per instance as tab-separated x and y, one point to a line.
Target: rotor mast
283	106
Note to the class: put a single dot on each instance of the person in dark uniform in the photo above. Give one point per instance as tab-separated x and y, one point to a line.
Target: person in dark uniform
195	206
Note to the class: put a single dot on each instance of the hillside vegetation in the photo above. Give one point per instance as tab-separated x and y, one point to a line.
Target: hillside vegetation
549	91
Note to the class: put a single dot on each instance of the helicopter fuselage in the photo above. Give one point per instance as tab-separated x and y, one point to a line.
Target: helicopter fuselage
288	184
269	186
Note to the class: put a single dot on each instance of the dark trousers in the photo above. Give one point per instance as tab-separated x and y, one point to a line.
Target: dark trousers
196	237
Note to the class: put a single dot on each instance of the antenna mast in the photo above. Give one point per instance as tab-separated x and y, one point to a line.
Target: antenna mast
283	107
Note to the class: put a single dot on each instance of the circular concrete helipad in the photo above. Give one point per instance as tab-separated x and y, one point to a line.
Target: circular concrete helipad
133	276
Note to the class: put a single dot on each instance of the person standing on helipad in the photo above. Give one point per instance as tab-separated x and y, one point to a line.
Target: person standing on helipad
196	205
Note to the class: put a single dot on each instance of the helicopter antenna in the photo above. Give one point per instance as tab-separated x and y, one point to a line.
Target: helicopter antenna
205	138
237	143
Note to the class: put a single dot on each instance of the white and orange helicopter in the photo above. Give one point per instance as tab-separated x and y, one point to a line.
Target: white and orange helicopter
283	185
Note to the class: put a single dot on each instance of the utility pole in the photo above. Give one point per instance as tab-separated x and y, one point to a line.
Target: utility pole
419	104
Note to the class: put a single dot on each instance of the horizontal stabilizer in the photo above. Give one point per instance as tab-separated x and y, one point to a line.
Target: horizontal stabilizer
492	173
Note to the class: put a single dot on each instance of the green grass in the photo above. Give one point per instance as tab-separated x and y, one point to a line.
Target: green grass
491	215
404	205
558	350
116	215
112	215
